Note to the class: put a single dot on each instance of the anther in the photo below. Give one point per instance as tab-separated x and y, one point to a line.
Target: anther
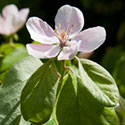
55	30
59	25
67	23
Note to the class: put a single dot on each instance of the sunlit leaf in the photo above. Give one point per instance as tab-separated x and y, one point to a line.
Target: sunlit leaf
98	82
13	57
75	106
39	94
120	109
6	48
11	88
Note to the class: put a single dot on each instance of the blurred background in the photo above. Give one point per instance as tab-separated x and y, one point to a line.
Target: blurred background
107	13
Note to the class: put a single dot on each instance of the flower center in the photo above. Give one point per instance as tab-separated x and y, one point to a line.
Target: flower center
63	33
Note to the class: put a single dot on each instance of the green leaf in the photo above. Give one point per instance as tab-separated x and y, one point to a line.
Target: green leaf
5	48
13	57
111	57
98	83
120	109
67	107
76	107
119	75
23	122
109	117
16	120
19	121
50	122
60	66
2	76
12	86
39	94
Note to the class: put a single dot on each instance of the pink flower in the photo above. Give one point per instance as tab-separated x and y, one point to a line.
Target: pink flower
66	40
12	19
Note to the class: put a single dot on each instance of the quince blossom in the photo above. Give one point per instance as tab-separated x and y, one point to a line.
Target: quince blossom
12	19
66	40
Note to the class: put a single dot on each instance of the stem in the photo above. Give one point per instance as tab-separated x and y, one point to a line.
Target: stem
11	42
67	63
77	58
10	39
67	67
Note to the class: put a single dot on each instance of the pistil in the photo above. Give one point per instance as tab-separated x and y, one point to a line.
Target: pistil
63	36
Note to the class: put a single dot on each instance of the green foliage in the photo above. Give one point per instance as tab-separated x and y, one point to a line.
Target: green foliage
38	96
98	82
82	99
11	88
51	122
119	75
87	97
111	57
114	61
13	57
120	109
6	48
9	56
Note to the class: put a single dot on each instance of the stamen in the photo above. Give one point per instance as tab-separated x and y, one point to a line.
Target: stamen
55	30
67	23
67	28
63	33
57	35
62	29
59	25
71	30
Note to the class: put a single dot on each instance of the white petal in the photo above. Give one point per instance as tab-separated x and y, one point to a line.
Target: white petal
72	16
9	19
43	50
40	31
21	19
2	22
90	39
9	10
12	19
23	13
68	52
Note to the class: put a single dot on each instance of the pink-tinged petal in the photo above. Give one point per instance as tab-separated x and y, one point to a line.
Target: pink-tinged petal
40	31
9	19
68	52
5	27
43	50
68	16
2	29
23	14
9	10
12	19
90	39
